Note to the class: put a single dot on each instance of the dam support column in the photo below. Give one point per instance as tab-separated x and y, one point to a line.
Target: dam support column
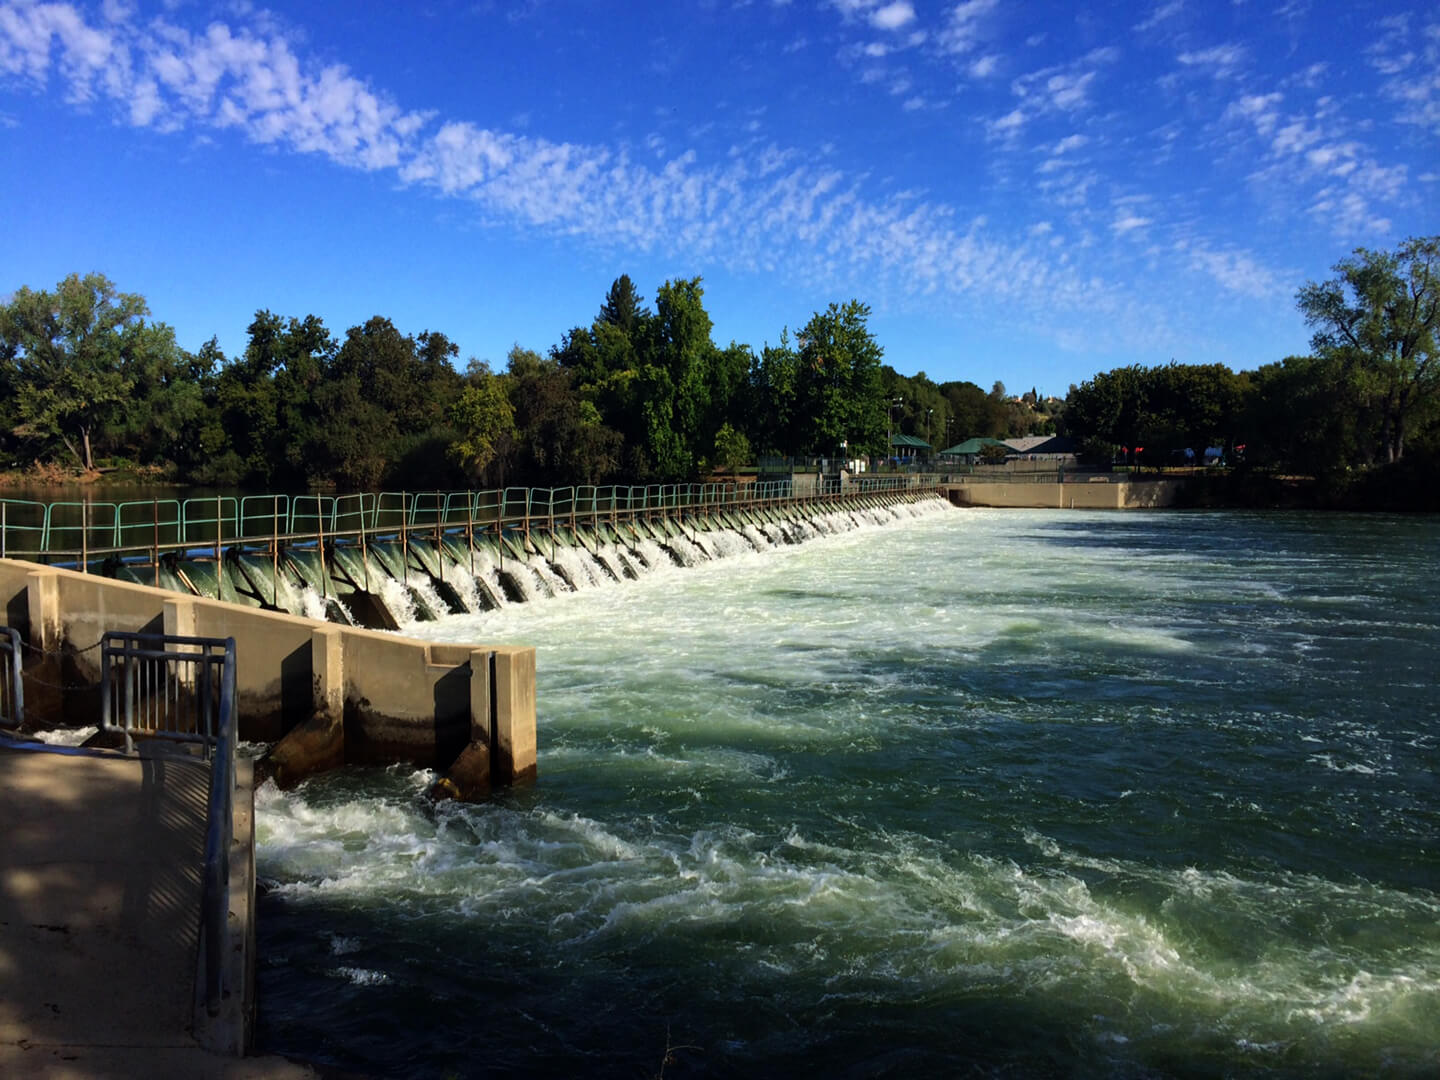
514	718
178	619
469	776
501	750
317	744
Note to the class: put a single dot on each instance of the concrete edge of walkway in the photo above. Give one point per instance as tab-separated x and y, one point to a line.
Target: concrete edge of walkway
232	1030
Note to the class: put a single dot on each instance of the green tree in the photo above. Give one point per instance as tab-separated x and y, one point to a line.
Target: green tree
676	378
993	454
1377	320
1109	411
72	353
1302	416
839	391
1191	406
971	413
163	417
267	399
624	307
732	448
484	421
771	399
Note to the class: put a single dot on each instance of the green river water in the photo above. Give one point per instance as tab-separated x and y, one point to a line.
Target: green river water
1009	793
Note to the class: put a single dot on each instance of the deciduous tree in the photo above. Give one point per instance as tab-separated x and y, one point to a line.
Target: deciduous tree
1377	319
72	353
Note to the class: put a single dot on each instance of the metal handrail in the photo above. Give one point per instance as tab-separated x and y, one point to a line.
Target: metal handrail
158	674
204	527
219	831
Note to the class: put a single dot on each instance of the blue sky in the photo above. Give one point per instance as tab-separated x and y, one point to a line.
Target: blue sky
1027	192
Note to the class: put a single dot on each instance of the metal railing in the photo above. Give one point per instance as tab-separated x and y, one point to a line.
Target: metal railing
143	531
12	688
182	689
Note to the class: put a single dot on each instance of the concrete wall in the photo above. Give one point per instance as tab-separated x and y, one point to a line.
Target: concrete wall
329	694
1122	495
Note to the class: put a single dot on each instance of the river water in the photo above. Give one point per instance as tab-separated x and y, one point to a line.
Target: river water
1018	793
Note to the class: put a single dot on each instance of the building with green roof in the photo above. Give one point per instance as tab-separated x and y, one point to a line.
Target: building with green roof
968	452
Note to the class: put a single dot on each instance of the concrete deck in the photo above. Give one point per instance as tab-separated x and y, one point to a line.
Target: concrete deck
100	888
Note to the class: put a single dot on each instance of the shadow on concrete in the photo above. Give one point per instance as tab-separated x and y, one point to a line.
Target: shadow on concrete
100	887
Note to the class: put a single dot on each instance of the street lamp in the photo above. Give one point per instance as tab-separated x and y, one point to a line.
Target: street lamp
890	434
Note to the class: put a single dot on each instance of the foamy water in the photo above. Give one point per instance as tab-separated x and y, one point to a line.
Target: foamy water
1026	793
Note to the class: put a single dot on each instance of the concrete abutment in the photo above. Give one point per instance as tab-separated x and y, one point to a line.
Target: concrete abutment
324	695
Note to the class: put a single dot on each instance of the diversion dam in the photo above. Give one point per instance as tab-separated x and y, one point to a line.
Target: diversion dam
306	585
383	561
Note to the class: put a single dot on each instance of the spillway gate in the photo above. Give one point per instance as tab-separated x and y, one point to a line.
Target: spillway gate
384	559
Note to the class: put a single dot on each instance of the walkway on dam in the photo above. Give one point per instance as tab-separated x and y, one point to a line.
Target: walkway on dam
100	900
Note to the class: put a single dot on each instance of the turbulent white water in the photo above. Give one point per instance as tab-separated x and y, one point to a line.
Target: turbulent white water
1035	793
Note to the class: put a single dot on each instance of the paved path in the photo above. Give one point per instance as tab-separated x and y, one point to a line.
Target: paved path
100	891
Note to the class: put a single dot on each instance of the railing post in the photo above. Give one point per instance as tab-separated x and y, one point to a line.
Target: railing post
364	556
84	537
275	551
320	531
470	530
155	540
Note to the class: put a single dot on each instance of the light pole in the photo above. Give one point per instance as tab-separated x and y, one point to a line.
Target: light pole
890	433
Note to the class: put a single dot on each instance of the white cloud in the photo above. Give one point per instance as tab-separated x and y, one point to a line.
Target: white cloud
1161	13
962	30
1069	91
1319	152
1235	271
1128	221
1409	58
1221	60
760	207
1010	122
1070	142
1259	109
983	67
892	16
1065	88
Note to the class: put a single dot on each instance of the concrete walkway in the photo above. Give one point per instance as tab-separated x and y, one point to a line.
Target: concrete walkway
100	888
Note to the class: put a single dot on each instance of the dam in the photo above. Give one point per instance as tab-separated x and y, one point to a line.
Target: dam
313	590
386	560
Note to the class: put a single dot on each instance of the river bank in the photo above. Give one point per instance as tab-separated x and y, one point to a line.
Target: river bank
1411	485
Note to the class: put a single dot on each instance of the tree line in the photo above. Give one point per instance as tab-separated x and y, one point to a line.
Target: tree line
1367	395
642	393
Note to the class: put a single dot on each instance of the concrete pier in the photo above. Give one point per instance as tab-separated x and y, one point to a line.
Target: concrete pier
100	893
325	695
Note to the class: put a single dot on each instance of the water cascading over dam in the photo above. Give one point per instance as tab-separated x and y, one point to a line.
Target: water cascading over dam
387	560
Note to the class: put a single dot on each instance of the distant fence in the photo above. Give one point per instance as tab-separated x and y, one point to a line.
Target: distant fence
84	531
1023	471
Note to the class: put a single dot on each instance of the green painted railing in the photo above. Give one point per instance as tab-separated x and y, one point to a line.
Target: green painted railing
82	531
